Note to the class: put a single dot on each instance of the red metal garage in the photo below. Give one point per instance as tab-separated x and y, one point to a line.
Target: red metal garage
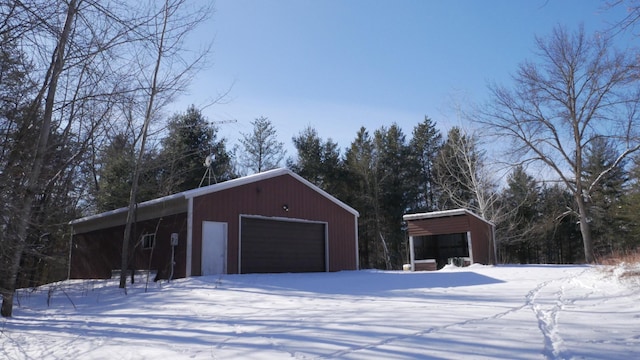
274	221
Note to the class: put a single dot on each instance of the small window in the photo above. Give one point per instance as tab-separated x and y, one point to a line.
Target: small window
148	241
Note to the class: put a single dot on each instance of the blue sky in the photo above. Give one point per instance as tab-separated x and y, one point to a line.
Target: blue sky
337	65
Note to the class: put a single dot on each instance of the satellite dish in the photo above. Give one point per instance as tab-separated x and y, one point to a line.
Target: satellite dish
210	158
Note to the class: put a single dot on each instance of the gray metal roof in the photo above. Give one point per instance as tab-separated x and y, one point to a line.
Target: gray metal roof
178	203
442	213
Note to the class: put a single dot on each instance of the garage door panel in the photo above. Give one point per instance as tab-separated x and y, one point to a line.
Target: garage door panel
273	246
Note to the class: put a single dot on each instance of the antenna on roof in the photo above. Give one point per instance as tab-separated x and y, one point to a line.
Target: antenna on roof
208	173
211	158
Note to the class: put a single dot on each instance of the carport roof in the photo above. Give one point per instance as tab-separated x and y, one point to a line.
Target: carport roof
178	203
442	213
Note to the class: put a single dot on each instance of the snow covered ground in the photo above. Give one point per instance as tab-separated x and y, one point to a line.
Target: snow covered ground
502	312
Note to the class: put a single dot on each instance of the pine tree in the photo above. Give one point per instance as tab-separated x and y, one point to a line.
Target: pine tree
518	229
557	236
607	228
377	170
318	161
261	150
629	209
185	149
116	163
424	146
361	167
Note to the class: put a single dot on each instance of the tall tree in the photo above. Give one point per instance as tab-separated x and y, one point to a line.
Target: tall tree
190	141
80	56
579	90
464	178
609	230
24	193
630	205
451	170
115	174
261	149
171	23
377	168
361	164
318	161
424	146
557	236
395	192
519	224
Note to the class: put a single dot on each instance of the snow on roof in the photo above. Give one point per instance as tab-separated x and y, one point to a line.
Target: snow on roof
124	209
442	213
219	187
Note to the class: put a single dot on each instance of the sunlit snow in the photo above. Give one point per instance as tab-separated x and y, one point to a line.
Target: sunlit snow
501	312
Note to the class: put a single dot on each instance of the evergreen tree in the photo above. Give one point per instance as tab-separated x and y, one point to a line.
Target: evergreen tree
394	191
377	169
629	209
190	141
607	227
424	146
517	230
557	238
318	161
115	174
361	167
261	150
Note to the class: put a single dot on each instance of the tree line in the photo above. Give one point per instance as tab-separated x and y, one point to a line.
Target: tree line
73	74
83	85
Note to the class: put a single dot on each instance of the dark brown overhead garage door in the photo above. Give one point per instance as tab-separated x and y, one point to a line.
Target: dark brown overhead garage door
275	246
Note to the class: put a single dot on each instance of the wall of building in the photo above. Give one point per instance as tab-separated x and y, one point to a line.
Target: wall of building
95	254
481	233
281	196
436	226
482	241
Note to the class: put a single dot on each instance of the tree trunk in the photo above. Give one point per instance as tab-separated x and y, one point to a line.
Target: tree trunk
25	206
585	229
126	241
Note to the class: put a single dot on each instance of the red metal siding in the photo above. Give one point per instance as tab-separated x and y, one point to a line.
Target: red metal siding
481	233
481	241
267	198
438	226
95	254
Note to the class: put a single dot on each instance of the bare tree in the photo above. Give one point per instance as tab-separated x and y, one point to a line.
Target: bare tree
580	90
163	78
80	54
25	194
464	177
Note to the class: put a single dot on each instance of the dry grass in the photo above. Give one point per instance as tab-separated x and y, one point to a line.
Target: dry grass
624	265
619	258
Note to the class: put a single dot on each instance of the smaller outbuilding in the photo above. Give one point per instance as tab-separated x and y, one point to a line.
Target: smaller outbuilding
456	236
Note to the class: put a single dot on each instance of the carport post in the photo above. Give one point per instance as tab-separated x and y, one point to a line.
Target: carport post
470	246
412	254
